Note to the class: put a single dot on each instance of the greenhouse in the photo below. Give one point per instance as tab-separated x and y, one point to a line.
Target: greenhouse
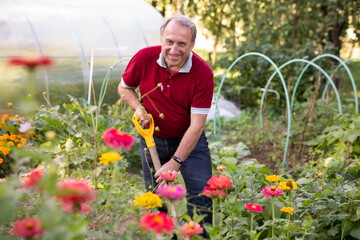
70	33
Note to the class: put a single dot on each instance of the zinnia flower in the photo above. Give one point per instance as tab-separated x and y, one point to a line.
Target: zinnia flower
158	222
221	168
148	200
109	157
31	63
169	176
118	139
24	127
287	210
212	192
75	192
288	186
27	228
273	178
33	179
70	207
272	191
220	182
191	229
251	207
171	192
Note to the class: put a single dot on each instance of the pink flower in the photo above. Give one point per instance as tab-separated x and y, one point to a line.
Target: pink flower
220	182
33	179
272	191
27	228
24	127
191	229
71	207
171	192
169	176
158	222
221	168
253	208
74	193
118	139
212	192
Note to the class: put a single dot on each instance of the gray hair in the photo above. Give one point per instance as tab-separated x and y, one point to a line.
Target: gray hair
183	21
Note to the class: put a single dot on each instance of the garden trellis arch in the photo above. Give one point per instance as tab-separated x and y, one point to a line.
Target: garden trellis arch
217	115
217	132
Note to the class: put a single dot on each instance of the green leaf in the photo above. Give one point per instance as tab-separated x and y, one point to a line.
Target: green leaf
346	226
355	232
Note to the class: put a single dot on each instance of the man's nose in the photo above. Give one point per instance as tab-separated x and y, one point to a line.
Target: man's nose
173	49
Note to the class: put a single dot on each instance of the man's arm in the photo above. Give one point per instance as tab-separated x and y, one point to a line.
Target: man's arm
129	96
187	143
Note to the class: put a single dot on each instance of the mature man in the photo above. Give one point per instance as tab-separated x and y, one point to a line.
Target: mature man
179	108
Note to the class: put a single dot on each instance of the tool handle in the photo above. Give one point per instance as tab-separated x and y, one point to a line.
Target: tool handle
155	158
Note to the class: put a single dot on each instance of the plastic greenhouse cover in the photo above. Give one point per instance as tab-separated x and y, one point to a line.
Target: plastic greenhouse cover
69	31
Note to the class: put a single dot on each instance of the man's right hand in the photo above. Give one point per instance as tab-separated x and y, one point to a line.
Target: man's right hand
144	119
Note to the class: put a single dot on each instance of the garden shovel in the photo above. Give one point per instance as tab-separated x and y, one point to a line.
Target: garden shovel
147	134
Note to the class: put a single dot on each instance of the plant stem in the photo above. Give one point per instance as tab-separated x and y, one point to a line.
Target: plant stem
273	217
288	232
251	224
213	212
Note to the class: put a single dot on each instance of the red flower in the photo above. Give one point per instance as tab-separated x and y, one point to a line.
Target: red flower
253	208
158	222
220	182
31	63
34	179
212	192
74	193
169	176
191	229
118	139
27	228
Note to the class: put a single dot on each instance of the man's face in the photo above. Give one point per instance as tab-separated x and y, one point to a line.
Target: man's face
176	45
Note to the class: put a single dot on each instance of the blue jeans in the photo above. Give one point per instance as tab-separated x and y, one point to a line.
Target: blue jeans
196	171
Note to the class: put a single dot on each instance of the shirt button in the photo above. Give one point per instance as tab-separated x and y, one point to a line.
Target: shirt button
168	85
169	77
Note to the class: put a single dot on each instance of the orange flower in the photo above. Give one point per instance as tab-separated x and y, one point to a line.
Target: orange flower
5	150
23	140
12	137
19	145
2	144
10	143
32	133
1	160
4	117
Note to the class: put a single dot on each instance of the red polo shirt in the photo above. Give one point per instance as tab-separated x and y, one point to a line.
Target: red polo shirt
188	91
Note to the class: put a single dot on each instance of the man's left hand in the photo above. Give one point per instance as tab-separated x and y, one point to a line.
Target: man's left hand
169	166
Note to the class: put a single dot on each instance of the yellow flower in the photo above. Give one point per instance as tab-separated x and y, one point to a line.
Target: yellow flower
1	160
109	157
288	186
12	137
31	134
287	210
148	200
19	145
23	140
272	178
10	144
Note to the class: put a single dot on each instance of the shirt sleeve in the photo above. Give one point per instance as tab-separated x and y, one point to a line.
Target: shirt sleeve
204	90
132	75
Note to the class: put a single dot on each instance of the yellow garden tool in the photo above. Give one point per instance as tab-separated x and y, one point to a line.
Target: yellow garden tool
147	134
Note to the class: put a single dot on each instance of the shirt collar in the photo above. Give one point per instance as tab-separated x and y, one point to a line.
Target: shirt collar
184	69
